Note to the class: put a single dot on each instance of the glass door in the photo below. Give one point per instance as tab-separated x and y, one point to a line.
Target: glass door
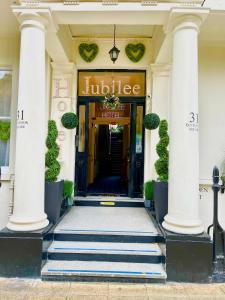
136	176
82	150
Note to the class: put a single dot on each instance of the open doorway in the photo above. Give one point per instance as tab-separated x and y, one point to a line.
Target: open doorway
108	150
108	165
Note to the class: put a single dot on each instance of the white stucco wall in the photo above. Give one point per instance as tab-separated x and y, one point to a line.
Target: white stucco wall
212	124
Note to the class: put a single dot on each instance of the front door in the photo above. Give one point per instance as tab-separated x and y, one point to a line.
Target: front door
108	162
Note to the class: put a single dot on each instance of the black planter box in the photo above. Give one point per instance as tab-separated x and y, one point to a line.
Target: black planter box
53	200
160	195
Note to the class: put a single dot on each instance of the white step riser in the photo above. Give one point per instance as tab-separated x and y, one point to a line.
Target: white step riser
102	269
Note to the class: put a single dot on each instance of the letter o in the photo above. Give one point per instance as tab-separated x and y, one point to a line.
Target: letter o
61	136
62	106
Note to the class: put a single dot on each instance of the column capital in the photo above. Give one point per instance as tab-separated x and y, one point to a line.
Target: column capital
40	18
160	70
181	18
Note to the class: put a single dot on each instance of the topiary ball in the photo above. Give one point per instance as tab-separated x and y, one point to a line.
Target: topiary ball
69	120
151	121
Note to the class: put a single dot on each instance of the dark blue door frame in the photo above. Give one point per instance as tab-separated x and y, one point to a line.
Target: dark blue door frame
136	167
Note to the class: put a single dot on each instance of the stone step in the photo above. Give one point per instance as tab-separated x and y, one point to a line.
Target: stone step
103	271
107	224
107	203
106	236
115	252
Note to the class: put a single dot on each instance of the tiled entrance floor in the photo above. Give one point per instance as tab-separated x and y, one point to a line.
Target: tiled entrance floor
113	220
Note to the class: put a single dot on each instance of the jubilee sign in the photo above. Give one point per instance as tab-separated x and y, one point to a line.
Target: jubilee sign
122	84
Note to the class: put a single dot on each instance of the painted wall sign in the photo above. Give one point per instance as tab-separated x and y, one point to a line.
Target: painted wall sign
125	84
192	123
21	122
61	88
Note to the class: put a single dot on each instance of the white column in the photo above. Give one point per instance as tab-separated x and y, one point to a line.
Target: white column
160	106
183	206
28	212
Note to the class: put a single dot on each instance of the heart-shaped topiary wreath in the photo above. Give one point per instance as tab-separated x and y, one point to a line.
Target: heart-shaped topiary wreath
135	52
88	51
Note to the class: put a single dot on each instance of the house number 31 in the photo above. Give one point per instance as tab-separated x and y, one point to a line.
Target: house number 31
20	115
193	117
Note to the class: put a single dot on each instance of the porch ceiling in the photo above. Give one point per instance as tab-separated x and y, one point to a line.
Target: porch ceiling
106	31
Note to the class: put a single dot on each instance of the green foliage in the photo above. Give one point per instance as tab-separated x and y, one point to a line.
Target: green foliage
51	163
162	164
4	131
51	142
151	121
149	190
161	147
67	189
88	51
52	129
135	52
163	129
69	120
51	156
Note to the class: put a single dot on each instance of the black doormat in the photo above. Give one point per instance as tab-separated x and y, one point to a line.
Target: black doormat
109	185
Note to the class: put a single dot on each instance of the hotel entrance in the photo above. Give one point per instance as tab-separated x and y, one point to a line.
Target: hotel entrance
110	137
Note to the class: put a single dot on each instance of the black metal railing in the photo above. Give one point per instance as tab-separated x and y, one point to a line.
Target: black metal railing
218	232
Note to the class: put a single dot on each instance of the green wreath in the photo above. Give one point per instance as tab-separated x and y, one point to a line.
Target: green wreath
135	52
4	131
88	51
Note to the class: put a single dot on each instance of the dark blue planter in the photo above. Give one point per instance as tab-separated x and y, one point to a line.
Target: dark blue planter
53	200
160	196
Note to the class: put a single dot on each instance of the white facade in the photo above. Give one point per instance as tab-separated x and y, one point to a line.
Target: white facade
190	62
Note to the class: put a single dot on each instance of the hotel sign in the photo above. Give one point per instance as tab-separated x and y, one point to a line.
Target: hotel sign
123	84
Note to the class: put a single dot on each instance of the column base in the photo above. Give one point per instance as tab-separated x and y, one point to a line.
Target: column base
31	226
171	224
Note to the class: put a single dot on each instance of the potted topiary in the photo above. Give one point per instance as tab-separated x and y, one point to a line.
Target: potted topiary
160	187
148	189
151	121
53	187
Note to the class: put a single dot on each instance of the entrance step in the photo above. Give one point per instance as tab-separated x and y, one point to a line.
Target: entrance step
106	244
114	252
108	201
107	224
103	271
123	237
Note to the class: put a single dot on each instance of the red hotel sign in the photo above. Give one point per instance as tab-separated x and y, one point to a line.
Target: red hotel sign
125	84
